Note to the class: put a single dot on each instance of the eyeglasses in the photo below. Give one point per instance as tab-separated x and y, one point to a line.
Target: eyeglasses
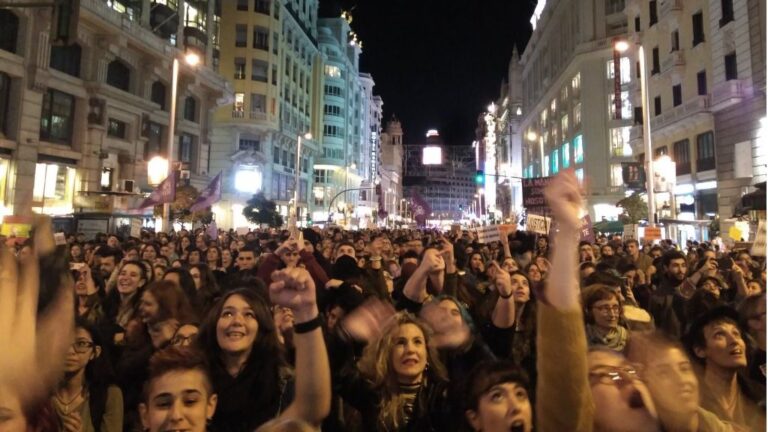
82	347
614	375
291	254
605	309
180	340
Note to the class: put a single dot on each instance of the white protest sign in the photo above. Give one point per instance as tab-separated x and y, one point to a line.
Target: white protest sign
135	227
538	224
630	232
488	234
758	247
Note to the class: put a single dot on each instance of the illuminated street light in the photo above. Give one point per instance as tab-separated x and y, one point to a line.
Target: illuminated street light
157	170
621	46
532	136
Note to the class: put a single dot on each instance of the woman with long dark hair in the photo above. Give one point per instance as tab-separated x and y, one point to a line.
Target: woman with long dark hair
249	374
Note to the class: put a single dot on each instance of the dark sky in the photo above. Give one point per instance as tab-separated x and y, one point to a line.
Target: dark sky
437	63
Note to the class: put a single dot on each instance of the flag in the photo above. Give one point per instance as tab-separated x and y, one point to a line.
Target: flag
421	208
165	193
211	194
212	231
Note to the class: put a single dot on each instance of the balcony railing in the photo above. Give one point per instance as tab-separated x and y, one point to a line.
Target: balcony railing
238	114
258	115
727	93
697	105
675	59
669	7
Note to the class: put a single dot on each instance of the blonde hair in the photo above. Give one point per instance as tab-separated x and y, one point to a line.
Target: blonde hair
376	366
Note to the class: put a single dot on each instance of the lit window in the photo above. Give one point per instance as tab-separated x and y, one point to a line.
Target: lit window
566	152
580	175
616	175
578	149
564	124
576	82
625	71
626	106
555	159
620	142
332	71
545	166
577	115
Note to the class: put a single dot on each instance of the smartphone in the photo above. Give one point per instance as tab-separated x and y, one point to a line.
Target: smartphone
725	263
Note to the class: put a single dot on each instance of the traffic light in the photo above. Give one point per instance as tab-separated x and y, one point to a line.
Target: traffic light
480	177
66	14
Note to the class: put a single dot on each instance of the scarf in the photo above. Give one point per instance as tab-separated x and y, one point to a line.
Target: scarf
615	339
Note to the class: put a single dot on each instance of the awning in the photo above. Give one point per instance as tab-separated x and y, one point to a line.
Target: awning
609	227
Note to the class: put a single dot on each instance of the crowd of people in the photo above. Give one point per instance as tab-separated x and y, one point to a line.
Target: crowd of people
381	330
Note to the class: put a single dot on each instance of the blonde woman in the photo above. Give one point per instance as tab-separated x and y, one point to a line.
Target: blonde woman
399	384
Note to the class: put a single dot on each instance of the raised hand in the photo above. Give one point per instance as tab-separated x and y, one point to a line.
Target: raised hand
294	288
365	322
33	346
501	279
289	245
563	196
433	261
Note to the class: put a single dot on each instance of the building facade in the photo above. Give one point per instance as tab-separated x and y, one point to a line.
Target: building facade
391	172
446	181
706	89
78	123
569	118
272	60
339	169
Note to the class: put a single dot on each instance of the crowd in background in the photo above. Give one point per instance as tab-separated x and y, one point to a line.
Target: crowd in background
395	330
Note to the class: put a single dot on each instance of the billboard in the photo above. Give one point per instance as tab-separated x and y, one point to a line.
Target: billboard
432	155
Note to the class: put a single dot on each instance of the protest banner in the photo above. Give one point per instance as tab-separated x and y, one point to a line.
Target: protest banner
758	247
538	224
652	233
136	227
533	195
630	232
587	233
488	234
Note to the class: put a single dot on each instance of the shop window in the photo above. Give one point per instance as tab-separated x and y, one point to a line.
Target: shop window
53	188
56	117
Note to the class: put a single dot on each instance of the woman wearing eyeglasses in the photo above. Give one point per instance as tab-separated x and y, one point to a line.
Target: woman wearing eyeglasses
87	399
602	312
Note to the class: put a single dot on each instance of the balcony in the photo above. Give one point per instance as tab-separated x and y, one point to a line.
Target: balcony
670	8
195	37
238	114
258	115
675	62
697	105
728	93
164	19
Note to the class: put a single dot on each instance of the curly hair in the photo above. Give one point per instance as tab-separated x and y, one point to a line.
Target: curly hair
376	366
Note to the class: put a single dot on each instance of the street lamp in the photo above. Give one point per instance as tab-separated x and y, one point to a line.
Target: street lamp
307	136
192	59
157	170
621	46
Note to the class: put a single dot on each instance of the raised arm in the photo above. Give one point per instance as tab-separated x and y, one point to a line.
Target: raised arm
563	400
294	288
503	315
416	287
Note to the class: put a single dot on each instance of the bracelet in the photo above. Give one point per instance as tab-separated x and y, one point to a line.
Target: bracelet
308	326
505	296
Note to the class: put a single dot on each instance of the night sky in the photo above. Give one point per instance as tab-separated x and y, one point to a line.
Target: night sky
437	63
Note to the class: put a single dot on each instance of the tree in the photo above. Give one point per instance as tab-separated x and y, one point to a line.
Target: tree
186	195
259	210
635	209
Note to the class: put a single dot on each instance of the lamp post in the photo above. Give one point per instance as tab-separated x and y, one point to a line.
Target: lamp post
622	46
192	59
307	136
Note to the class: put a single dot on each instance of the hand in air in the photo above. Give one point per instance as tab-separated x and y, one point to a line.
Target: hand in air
563	196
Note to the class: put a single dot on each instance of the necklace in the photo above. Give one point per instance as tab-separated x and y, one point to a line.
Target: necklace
66	407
